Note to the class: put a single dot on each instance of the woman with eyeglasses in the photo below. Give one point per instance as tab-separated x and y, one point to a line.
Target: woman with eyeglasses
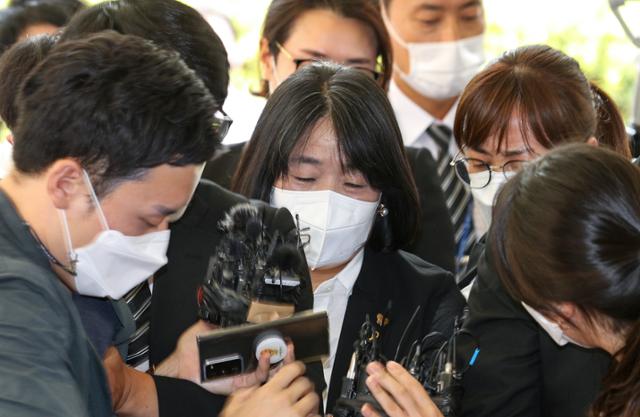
526	103
352	33
328	148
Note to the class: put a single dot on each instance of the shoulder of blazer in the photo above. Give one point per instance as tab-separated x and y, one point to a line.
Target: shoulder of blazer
420	159
210	202
222	166
403	271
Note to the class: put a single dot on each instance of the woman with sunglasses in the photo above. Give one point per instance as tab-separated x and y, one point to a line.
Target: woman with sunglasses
352	33
327	147
520	107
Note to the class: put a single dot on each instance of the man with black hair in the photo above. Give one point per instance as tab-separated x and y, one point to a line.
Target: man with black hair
111	138
110	142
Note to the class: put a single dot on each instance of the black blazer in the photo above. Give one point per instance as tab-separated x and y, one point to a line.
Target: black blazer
407	281
174	305
520	370
435	243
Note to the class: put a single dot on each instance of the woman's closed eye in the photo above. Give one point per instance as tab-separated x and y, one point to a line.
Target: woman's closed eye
354	185
306	180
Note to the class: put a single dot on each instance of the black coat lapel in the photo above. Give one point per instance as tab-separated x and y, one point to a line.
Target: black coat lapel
364	299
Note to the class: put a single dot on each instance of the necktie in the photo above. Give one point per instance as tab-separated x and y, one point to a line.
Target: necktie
457	196
139	300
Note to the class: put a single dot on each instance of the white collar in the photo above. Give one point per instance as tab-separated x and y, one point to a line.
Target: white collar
413	119
347	277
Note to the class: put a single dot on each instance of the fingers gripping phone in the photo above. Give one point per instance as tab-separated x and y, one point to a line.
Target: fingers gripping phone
236	350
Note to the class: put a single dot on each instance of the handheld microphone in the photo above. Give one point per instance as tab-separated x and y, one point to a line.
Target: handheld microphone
249	266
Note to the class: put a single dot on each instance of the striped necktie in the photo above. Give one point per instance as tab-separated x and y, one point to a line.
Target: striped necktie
457	196
139	301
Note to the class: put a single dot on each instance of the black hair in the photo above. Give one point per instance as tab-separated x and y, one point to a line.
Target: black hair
567	229
118	105
168	23
15	65
72	6
15	20
368	136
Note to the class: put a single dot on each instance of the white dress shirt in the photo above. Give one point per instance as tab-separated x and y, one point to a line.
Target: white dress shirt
414	121
332	296
6	161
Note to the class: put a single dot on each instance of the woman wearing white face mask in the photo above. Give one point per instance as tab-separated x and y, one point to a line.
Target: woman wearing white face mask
579	272
351	33
516	110
327	147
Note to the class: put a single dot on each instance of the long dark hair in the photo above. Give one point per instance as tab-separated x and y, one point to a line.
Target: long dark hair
550	95
282	15
567	229
368	136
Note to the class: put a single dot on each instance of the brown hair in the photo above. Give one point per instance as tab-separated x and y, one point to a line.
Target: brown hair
567	229
550	95
282	15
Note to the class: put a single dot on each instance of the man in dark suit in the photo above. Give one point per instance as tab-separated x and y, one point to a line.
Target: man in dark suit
167	308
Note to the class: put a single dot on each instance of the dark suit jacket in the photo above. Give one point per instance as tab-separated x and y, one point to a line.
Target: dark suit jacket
520	370
435	243
174	305
407	281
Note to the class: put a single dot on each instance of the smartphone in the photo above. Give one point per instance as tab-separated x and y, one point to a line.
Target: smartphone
235	350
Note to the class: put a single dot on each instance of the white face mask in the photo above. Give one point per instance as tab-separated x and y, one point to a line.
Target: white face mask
338	226
551	328
440	70
113	263
484	198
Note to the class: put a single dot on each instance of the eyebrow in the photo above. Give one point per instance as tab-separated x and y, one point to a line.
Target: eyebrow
305	160
320	55
507	153
437	7
515	152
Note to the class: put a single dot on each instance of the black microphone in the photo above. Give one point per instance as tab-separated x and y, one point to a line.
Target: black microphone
249	264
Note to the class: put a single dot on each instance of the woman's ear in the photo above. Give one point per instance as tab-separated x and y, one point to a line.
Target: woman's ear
266	61
592	141
64	179
566	314
10	138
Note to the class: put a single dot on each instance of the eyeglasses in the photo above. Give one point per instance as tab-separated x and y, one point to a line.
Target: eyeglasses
221	124
303	62
465	166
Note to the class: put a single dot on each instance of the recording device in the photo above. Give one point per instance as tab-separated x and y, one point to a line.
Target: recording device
251	270
436	361
236	350
354	392
439	363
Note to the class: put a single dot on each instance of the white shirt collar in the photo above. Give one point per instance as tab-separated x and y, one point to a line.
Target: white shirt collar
346	278
413	119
